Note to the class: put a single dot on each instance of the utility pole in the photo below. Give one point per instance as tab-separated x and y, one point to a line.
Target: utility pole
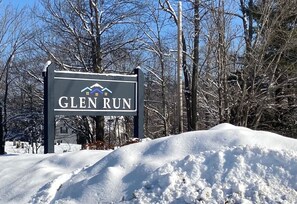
179	68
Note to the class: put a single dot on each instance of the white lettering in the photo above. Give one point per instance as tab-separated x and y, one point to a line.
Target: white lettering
114	103
92	102
82	102
64	104
72	103
106	103
126	103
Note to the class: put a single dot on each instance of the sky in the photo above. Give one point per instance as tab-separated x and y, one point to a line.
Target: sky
20	3
225	164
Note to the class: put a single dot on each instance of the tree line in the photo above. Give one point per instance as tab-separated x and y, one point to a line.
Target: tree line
238	62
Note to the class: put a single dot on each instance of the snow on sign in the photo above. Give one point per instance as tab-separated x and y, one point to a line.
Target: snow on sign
78	93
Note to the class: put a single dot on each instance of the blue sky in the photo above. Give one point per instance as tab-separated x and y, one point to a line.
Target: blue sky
19	3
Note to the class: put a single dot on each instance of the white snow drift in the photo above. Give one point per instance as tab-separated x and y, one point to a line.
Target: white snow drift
224	164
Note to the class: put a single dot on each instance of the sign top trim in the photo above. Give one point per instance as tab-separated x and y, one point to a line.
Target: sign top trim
95	79
95	74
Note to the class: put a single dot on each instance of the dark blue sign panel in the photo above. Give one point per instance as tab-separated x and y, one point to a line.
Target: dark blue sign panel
98	95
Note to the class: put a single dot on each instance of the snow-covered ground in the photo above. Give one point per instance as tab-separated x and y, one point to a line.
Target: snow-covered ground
225	164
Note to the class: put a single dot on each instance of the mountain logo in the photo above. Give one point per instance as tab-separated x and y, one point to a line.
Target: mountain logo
96	90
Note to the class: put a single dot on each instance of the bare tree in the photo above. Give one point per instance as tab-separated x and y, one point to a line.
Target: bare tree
157	63
167	7
89	35
196	57
13	36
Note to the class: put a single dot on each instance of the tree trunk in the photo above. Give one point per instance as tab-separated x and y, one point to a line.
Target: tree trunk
164	101
187	83
99	128
7	66
195	66
97	61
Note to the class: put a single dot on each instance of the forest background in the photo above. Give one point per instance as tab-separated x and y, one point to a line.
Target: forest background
239	61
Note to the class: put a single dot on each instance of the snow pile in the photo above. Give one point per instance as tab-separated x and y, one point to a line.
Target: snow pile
24	175
233	175
225	164
221	165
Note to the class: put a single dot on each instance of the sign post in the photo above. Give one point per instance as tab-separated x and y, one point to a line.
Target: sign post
2	141
80	93
49	115
139	118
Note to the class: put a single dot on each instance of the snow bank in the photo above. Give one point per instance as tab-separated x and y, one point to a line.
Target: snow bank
223	164
233	175
24	175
